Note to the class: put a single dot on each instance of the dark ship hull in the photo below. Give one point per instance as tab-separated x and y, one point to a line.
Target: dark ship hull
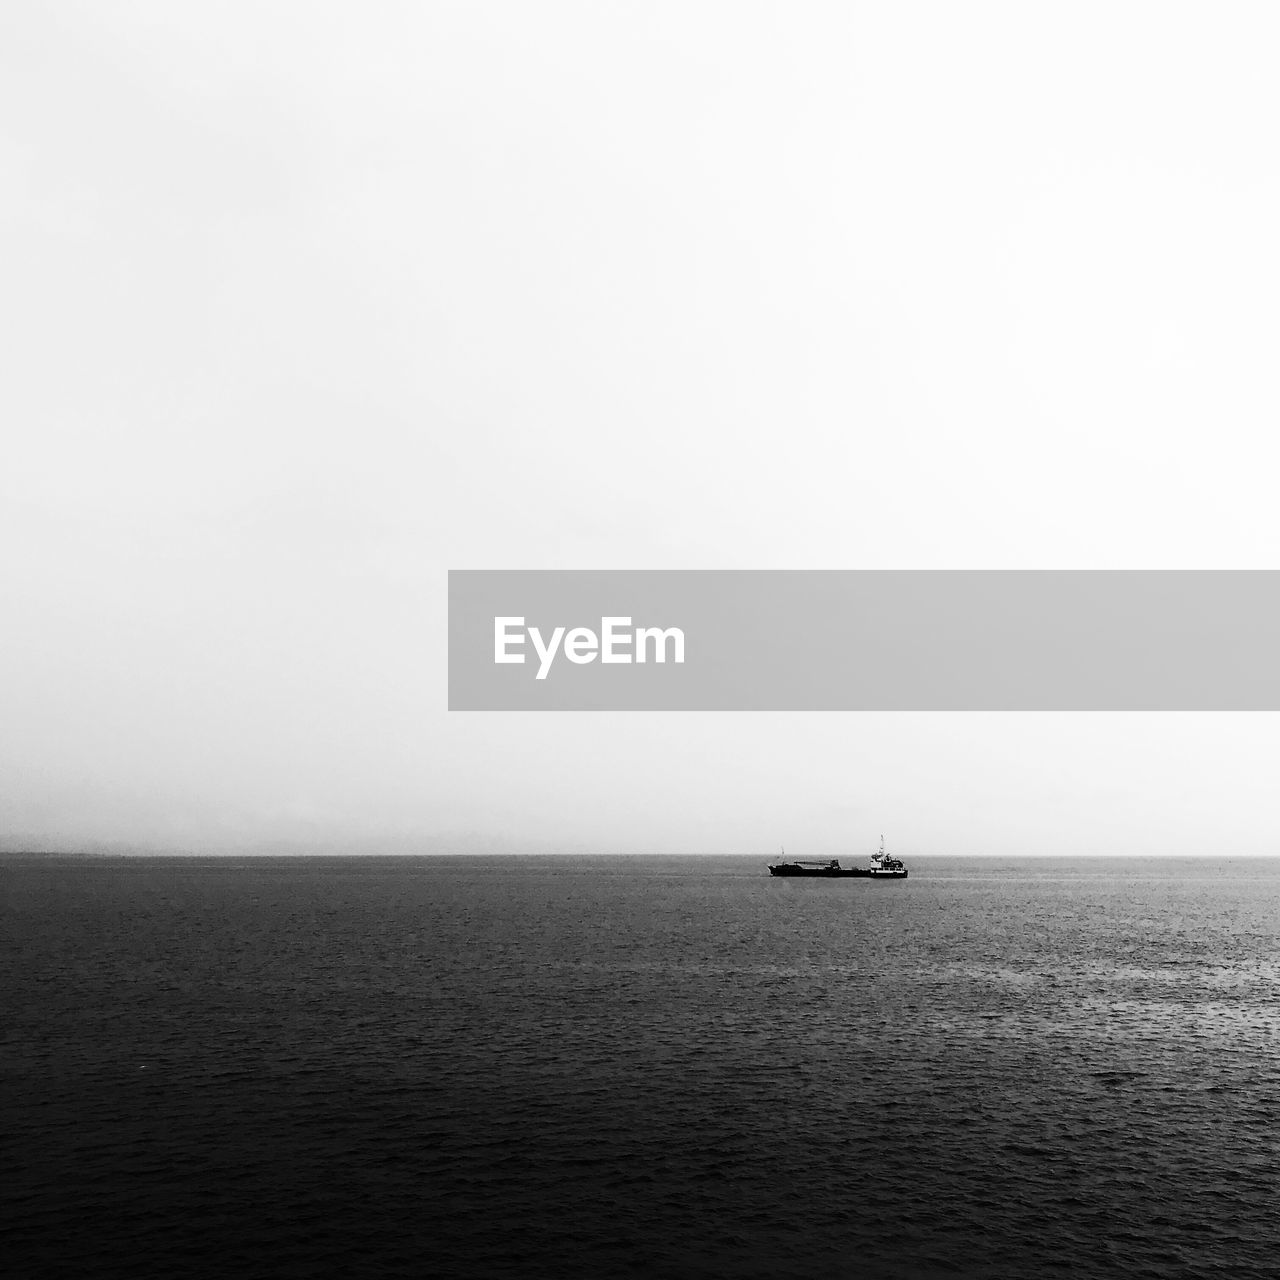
883	867
834	873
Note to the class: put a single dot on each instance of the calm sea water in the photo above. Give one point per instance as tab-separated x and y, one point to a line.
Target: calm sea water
576	1066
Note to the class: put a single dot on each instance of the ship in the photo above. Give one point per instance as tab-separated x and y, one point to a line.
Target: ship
883	867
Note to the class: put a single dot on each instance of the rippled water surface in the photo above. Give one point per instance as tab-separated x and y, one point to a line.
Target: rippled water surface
575	1066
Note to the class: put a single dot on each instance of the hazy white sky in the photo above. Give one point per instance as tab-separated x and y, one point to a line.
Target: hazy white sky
305	304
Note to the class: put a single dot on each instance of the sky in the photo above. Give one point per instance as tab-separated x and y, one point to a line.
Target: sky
306	304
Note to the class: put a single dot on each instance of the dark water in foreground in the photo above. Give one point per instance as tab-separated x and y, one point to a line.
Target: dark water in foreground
558	1066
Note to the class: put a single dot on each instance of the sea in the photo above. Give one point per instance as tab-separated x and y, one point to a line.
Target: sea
639	1066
